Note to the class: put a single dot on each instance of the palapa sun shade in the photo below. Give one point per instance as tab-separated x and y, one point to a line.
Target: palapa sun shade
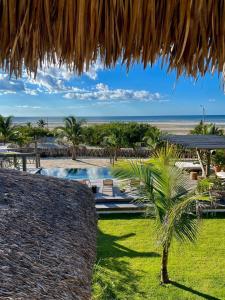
188	35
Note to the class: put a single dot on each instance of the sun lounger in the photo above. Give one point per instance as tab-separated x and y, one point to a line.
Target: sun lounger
107	187
220	175
188	165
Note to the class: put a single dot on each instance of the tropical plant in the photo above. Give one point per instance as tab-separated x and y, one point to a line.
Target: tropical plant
207	128
21	138
41	123
130	134
29	125
164	189
153	138
72	131
7	129
205	184
218	158
110	143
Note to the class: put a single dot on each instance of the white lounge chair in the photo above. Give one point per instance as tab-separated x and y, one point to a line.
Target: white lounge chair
107	187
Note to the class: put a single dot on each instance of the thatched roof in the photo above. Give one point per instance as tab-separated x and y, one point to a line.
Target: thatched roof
189	34
48	235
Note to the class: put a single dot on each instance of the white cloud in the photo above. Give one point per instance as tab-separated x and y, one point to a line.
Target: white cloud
49	80
28	107
94	69
212	100
54	80
102	93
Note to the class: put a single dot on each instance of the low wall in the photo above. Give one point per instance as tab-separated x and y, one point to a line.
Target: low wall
88	152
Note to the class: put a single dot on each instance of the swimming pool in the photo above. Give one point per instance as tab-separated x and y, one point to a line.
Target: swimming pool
77	174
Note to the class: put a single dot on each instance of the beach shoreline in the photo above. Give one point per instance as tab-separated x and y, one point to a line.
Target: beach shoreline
183	127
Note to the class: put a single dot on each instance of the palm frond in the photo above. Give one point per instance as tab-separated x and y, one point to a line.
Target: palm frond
181	220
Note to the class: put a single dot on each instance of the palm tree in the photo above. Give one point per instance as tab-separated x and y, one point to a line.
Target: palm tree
110	143
41	123
29	125
164	189
72	130
7	129
210	128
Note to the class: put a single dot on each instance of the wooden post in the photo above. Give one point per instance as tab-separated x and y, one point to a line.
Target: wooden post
36	153
208	159
201	164
24	163
15	161
37	160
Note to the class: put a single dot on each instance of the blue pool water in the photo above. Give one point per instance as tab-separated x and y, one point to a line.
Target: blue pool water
78	174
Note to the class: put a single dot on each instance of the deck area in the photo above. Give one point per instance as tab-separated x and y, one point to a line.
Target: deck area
120	201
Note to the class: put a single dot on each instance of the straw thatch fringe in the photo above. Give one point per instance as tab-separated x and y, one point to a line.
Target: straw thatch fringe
188	34
48	238
87	152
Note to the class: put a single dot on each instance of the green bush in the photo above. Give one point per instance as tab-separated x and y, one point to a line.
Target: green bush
218	158
204	185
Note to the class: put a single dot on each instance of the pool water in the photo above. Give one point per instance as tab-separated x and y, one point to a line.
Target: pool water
78	174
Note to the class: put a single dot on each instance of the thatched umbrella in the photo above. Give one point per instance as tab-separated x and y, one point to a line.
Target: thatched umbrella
189	34
47	240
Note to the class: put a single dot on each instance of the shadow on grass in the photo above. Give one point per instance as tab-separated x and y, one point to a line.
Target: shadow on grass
113	278
122	216
188	289
109	247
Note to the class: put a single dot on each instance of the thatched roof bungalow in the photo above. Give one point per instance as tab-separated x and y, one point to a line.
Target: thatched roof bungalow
189	35
48	237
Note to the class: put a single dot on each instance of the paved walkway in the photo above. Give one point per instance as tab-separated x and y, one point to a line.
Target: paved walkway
69	163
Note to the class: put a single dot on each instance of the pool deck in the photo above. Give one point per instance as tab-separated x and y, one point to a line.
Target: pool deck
114	202
82	163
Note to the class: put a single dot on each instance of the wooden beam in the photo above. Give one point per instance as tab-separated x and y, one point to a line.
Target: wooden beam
24	163
208	159
201	163
15	161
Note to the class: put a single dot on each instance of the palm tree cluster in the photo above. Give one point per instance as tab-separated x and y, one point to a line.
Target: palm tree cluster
7	129
207	128
72	131
21	134
164	189
113	136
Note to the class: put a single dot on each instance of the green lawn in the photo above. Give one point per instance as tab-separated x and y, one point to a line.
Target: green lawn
128	263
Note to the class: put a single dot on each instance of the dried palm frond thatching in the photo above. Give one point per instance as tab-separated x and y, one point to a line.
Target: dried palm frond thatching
188	34
48	237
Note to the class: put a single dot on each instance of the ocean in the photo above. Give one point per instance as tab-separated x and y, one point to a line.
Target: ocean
218	119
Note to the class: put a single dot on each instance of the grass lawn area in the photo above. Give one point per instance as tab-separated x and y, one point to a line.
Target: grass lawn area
128	262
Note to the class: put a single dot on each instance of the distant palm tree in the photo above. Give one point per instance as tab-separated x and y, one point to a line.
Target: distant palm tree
29	125
110	143
41	123
164	189
209	128
72	130
7	129
213	129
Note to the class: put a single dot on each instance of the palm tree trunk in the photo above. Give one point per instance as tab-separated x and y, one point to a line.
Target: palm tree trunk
164	266
36	153
115	157
74	153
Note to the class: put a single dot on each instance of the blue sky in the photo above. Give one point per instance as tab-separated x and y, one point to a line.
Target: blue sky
110	92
